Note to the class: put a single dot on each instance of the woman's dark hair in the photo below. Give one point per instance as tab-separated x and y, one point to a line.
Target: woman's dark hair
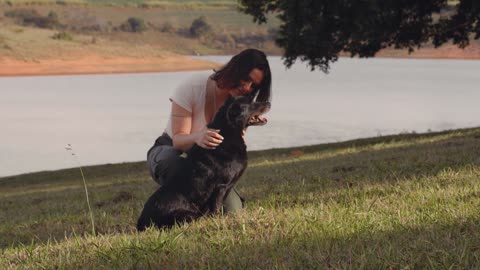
239	68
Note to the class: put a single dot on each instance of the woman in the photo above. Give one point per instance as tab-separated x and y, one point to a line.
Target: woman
194	104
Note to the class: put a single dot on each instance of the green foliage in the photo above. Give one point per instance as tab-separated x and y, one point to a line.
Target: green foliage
200	27
133	24
62	36
32	17
317	31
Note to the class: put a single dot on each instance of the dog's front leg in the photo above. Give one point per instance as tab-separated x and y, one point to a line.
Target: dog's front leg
221	195
215	201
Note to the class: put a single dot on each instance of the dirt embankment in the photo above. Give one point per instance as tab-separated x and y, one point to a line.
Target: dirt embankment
96	64
445	52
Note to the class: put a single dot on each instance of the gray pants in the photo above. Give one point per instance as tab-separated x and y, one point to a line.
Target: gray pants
163	162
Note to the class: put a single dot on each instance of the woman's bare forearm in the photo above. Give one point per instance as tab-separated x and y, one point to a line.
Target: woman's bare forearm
183	142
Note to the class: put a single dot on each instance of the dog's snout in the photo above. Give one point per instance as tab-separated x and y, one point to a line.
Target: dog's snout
266	107
260	107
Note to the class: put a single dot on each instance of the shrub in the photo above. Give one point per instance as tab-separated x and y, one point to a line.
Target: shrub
251	40
91	28
136	25
22	13
7	47
62	36
52	15
226	41
32	17
167	28
42	22
200	27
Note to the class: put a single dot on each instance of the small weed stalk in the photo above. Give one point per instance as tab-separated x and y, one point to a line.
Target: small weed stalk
70	149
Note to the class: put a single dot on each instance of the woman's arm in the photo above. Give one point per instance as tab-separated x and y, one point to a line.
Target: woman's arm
183	139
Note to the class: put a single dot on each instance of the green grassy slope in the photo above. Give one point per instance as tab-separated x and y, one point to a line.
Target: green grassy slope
405	201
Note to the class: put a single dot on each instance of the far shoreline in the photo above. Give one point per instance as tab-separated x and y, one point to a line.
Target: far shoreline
98	65
101	65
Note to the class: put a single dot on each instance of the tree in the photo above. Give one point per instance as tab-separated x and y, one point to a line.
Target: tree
318	30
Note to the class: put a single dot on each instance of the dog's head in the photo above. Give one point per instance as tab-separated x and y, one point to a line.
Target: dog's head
242	111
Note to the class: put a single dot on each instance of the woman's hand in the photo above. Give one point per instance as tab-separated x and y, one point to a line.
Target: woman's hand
209	138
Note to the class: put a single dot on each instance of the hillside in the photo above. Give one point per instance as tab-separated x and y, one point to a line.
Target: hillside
393	202
44	37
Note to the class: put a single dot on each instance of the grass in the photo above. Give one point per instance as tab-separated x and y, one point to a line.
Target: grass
396	202
32	44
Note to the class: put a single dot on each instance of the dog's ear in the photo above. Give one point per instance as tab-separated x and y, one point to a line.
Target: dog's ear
226	105
236	112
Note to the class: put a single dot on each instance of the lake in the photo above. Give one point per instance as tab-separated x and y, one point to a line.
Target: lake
116	118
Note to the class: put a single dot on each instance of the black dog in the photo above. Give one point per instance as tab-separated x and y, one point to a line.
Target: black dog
207	176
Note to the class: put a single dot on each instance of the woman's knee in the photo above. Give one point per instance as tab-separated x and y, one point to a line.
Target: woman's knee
233	202
161	160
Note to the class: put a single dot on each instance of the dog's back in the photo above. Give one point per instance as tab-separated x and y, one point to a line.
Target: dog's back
207	176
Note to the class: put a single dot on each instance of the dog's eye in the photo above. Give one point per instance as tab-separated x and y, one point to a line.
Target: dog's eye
234	110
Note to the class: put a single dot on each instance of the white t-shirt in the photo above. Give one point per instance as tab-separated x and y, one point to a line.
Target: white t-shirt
191	95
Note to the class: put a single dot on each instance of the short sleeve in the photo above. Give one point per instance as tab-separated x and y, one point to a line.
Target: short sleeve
184	96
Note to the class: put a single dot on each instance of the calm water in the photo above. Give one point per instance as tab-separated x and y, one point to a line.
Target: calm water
115	118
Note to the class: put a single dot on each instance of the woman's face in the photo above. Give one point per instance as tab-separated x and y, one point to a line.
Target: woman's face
255	78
